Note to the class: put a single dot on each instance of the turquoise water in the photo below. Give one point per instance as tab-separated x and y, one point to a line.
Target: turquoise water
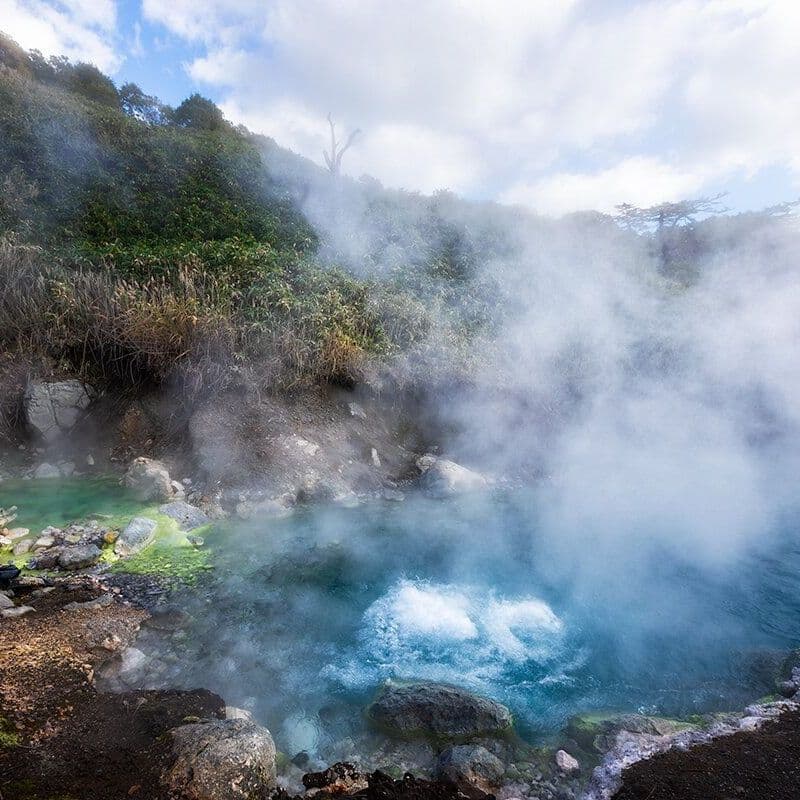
302	619
60	501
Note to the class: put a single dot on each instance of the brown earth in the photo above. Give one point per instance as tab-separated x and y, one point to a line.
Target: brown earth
761	765
59	736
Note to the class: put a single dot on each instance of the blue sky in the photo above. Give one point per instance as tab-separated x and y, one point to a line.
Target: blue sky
558	106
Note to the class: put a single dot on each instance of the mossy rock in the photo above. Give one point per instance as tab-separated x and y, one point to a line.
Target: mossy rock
595	732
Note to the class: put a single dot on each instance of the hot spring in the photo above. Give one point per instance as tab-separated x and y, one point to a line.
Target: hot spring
303	618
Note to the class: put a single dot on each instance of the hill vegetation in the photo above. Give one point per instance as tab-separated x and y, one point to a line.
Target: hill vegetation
142	245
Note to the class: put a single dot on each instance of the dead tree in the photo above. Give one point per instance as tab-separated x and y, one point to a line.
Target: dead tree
334	158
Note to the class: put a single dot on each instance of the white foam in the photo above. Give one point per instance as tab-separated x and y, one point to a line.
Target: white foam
424	611
521	629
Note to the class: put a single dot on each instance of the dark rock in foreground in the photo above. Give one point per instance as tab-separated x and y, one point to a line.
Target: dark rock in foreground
431	709
376	786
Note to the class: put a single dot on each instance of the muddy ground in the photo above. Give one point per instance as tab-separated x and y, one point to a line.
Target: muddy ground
759	765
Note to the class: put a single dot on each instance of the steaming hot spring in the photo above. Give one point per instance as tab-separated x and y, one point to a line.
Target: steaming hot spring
302	619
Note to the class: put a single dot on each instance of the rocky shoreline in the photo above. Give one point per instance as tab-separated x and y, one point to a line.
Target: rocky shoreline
63	729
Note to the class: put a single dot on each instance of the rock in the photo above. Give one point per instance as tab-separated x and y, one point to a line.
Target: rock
90	460
17	533
46	471
444	478
78	556
188	517
195	541
44	541
567	763
4	541
138	533
220	760
232	712
17	611
149	479
53	408
598	732
424	463
438	710
472	768
357	411
178	490
376	459
21	547
46	559
103	601
787	688
340	779
5	602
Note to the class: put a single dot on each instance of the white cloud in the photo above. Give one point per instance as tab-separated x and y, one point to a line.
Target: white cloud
83	30
659	96
639	180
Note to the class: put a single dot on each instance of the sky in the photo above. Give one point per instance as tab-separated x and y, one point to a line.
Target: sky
557	105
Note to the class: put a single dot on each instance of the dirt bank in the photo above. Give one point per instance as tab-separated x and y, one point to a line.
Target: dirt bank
752	765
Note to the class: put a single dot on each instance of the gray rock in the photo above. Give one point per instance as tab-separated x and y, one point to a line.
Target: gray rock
17	611
566	763
149	479
437	710
21	547
472	768
137	535
17	533
103	601
46	471
5	602
53	408
44	541
78	556
356	410
188	517
444	478
220	760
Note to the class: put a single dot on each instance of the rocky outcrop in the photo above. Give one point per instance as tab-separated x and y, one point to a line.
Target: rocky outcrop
149	479
220	760
53	408
78	556
431	709
443	478
472	768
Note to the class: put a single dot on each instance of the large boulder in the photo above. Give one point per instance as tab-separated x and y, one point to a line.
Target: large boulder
472	768
230	759
443	478
137	535
149	479
433	709
53	407
188	517
78	556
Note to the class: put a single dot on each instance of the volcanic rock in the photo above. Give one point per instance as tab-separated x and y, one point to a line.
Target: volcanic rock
437	710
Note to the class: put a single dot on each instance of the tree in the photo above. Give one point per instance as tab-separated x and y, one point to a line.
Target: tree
200	113
87	80
667	215
334	158
144	107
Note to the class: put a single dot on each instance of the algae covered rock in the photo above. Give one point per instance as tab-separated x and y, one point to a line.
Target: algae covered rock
137	535
220	760
439	710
